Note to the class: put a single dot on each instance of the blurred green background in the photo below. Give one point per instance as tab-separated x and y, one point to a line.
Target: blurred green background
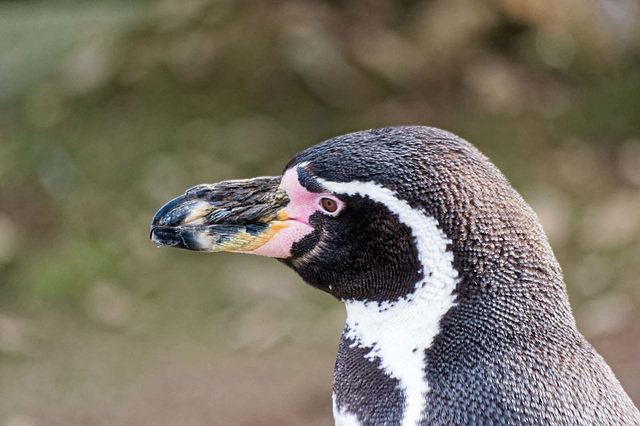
109	109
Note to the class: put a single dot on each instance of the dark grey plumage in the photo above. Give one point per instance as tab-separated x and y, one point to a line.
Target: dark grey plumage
509	351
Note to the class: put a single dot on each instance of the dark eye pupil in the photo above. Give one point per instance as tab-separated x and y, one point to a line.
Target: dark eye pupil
329	205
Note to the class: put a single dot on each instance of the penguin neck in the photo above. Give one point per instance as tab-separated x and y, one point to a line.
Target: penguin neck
392	337
399	331
388	340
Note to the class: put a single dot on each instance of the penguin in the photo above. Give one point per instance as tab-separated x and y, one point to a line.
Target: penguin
457	312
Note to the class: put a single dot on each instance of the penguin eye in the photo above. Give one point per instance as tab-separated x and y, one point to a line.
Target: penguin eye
329	205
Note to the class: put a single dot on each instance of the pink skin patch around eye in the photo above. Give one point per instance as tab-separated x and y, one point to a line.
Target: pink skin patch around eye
302	205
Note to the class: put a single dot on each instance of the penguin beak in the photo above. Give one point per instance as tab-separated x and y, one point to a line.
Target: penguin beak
237	216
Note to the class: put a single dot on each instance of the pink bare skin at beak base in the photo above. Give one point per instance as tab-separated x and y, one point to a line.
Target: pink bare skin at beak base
302	205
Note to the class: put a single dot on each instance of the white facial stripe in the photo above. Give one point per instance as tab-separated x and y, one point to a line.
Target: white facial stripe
400	332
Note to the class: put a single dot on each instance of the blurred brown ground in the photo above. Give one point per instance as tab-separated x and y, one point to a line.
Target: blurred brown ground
109	109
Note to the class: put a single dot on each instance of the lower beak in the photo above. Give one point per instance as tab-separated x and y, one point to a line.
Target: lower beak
238	216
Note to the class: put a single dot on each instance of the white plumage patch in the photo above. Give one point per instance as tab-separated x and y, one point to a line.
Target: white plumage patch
399	332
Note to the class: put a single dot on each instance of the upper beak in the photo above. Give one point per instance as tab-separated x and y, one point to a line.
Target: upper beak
237	215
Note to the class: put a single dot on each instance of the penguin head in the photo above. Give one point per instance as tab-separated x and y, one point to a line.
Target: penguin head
356	247
365	216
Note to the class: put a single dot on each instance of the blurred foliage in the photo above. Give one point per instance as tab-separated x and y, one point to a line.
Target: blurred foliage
109	109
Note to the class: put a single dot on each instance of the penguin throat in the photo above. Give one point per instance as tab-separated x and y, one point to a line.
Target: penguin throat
397	333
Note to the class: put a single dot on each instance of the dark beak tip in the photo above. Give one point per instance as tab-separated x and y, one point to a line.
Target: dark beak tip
173	213
183	238
155	238
165	237
160	214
